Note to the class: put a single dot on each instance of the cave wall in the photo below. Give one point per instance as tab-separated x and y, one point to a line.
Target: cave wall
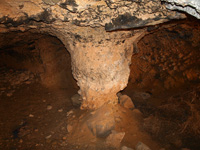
167	58
43	55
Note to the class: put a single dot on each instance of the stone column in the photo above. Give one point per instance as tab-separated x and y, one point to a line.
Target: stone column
100	64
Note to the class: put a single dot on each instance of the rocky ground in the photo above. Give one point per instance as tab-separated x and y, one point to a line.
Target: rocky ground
35	117
32	117
11	80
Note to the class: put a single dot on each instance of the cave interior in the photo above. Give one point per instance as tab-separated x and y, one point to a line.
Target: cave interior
137	92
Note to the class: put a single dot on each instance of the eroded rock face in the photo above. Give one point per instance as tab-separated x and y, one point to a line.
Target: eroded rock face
167	59
100	59
101	65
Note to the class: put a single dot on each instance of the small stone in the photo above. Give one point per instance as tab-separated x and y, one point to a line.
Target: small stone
145	95
28	82
69	113
36	130
69	128
138	113
9	94
49	107
115	138
60	110
126	148
31	115
126	102
102	122
93	140
20	141
64	138
76	100
141	146
54	143
48	137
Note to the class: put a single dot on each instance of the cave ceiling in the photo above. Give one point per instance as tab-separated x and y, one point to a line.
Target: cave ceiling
110	14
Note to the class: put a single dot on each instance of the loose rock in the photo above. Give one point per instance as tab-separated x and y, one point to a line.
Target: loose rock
126	101
60	110
76	100
31	115
49	107
69	113
48	137
102	122
141	146
115	138
69	128
126	148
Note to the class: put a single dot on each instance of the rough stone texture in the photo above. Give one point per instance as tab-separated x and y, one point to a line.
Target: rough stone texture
114	14
167	59
115	138
125	101
192	7
101	122
76	100
141	146
105	70
100	59
100	62
126	148
44	56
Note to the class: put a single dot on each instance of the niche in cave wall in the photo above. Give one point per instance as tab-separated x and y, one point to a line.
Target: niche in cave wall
42	55
167	58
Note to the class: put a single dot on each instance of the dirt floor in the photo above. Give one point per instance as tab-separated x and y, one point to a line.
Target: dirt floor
35	117
32	116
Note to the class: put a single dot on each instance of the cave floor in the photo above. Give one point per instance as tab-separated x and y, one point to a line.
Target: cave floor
35	117
32	116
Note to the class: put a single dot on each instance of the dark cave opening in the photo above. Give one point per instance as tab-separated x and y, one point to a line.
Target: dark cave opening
43	55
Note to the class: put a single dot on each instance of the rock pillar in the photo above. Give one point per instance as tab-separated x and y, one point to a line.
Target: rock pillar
101	66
